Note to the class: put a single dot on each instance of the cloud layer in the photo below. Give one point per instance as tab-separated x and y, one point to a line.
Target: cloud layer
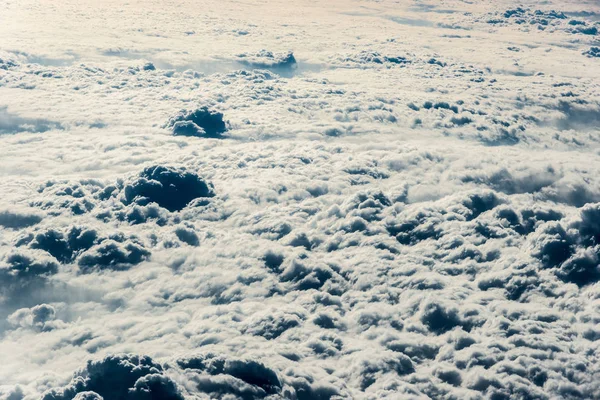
299	201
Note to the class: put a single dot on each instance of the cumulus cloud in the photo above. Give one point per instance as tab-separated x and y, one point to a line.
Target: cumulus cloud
199	123
407	206
170	188
18	219
268	60
119	377
87	247
39	317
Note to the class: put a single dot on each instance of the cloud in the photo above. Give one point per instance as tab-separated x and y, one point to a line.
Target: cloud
87	247
593	52
440	319
19	219
39	317
111	254
268	60
219	376
199	123
170	188
119	377
273	324
19	265
392	211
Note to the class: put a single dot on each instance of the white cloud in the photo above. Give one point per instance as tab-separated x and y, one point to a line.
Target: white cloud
405	206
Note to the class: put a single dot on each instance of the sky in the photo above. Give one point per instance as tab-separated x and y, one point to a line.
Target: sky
264	199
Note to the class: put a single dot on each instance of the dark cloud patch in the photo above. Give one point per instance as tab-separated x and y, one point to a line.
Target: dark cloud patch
120	377
27	278
593	52
449	375
327	320
367	205
414	227
440	318
113	255
589	226
582	269
301	239
87	247
308	389
516	282
17	220
572	254
461	121
533	217
170	188
64	246
78	198
155	386
479	203
440	105
540	19
372	368
273	260
203	122
435	61
224	377
584	29
187	235
370	171
553	245
27	264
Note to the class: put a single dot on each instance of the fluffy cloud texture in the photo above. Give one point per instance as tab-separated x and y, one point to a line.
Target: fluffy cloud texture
351	200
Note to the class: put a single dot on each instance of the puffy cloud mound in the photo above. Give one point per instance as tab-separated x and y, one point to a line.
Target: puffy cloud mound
86	246
223	377
170	188
119	377
572	252
593	52
23	272
202	122
64	246
111	254
28	264
440	319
